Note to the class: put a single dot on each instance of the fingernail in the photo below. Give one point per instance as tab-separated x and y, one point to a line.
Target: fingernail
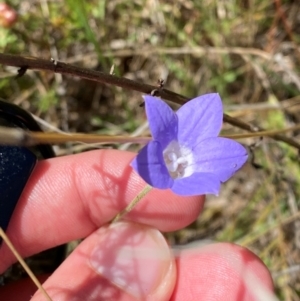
134	257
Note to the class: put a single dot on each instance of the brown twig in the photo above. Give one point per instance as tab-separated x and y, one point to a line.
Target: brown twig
33	63
282	16
26	62
20	137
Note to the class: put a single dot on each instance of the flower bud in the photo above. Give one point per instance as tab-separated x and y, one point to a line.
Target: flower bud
8	16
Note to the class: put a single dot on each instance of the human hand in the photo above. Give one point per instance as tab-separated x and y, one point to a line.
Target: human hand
75	197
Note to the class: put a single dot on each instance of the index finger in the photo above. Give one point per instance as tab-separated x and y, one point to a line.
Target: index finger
69	197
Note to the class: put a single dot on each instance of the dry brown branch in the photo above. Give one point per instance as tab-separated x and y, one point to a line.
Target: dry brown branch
25	62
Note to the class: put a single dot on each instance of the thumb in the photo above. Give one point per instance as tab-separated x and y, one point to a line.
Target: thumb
121	261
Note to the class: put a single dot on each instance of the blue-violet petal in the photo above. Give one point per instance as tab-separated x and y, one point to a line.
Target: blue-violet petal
150	165
162	120
197	184
220	156
200	118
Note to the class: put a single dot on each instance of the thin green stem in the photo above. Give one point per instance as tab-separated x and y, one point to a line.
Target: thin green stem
132	204
24	265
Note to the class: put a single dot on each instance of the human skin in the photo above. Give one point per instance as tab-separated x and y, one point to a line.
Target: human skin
77	196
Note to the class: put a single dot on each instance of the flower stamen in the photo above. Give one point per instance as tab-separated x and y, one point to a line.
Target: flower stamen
178	160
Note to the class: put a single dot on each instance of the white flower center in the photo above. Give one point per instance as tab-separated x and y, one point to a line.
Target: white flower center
179	160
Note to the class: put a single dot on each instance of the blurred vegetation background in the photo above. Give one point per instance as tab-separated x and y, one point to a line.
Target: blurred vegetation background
247	50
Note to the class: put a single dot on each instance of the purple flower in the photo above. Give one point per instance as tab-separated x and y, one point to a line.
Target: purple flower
186	155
